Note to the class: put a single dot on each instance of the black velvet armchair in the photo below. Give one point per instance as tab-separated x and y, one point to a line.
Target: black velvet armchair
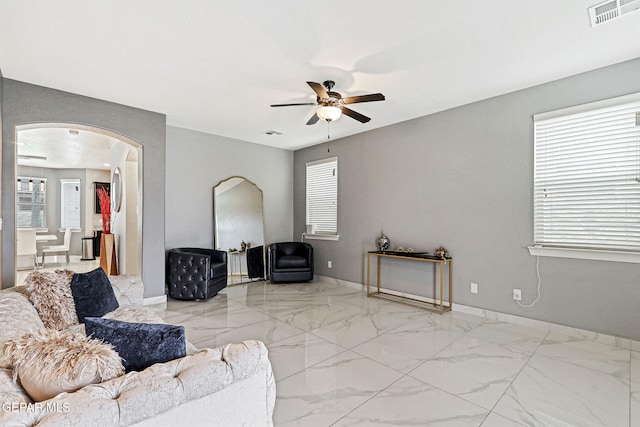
195	273
290	262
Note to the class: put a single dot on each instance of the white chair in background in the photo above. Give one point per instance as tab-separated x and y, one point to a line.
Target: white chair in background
26	244
59	248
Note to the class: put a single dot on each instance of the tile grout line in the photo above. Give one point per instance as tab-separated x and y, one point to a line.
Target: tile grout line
516	377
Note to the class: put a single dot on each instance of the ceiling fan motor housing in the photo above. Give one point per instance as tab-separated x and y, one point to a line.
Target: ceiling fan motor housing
331	101
334	99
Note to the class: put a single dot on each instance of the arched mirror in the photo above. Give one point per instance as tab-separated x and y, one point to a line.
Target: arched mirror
116	190
239	227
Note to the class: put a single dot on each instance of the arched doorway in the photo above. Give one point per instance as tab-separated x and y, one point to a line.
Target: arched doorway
89	155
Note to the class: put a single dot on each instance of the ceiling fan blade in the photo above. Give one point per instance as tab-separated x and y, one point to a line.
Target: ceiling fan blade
297	103
313	120
318	89
354	115
363	98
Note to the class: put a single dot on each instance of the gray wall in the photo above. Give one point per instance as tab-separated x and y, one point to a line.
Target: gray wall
463	178
197	161
24	103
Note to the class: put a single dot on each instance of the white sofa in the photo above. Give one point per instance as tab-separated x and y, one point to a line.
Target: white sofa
232	385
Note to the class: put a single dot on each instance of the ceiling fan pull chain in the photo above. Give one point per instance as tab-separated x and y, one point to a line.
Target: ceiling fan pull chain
329	129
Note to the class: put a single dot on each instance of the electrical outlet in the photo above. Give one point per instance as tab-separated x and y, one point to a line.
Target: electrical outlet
329	264
517	294
474	288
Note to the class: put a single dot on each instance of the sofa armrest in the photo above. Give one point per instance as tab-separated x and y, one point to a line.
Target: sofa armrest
139	396
218	256
128	289
272	256
310	257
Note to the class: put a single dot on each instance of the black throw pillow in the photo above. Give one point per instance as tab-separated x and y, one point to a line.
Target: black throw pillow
93	294
140	345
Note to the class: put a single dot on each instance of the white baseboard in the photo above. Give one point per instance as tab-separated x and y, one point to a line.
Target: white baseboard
554	328
612	340
154	300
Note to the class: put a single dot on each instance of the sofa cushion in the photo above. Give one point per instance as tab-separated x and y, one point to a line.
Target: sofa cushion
291	261
139	344
209	388
10	390
128	289
17	317
49	362
50	294
140	315
93	294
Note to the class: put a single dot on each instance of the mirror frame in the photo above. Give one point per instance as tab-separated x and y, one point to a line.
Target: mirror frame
215	225
116	190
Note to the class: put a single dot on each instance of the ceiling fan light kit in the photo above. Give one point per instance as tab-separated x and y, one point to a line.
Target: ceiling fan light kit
329	113
331	105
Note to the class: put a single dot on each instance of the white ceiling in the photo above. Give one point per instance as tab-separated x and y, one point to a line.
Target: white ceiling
64	150
215	66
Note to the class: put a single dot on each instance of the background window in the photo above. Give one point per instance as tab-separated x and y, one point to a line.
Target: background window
31	202
322	196
587	176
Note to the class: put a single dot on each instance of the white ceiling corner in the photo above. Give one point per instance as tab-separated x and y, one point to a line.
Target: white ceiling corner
216	66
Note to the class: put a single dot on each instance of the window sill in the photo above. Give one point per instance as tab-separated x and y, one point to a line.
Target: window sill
590	254
333	237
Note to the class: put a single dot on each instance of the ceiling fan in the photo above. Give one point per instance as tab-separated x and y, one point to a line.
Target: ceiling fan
332	104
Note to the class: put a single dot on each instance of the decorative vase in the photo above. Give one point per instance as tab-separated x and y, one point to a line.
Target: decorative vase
108	254
383	242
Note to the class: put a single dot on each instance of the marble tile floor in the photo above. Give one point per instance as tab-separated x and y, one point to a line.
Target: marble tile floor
342	359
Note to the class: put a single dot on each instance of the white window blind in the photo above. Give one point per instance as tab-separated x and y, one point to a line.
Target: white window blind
31	202
322	196
587	176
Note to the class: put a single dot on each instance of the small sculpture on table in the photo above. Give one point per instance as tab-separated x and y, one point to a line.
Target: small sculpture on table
442	252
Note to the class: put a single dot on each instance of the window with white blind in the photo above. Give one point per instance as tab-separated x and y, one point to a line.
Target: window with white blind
31	202
587	177
322	198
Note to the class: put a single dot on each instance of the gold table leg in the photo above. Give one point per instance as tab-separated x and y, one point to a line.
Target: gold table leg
441	285
368	268
378	277
450	284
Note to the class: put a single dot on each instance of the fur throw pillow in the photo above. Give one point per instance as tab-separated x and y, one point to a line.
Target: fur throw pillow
49	362
50	293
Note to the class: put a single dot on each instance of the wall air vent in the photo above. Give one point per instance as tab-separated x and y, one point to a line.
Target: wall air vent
611	9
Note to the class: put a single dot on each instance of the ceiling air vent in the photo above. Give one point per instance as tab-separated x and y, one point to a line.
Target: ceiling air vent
611	9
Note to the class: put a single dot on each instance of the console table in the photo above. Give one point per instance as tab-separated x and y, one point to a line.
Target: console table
236	260
438	305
